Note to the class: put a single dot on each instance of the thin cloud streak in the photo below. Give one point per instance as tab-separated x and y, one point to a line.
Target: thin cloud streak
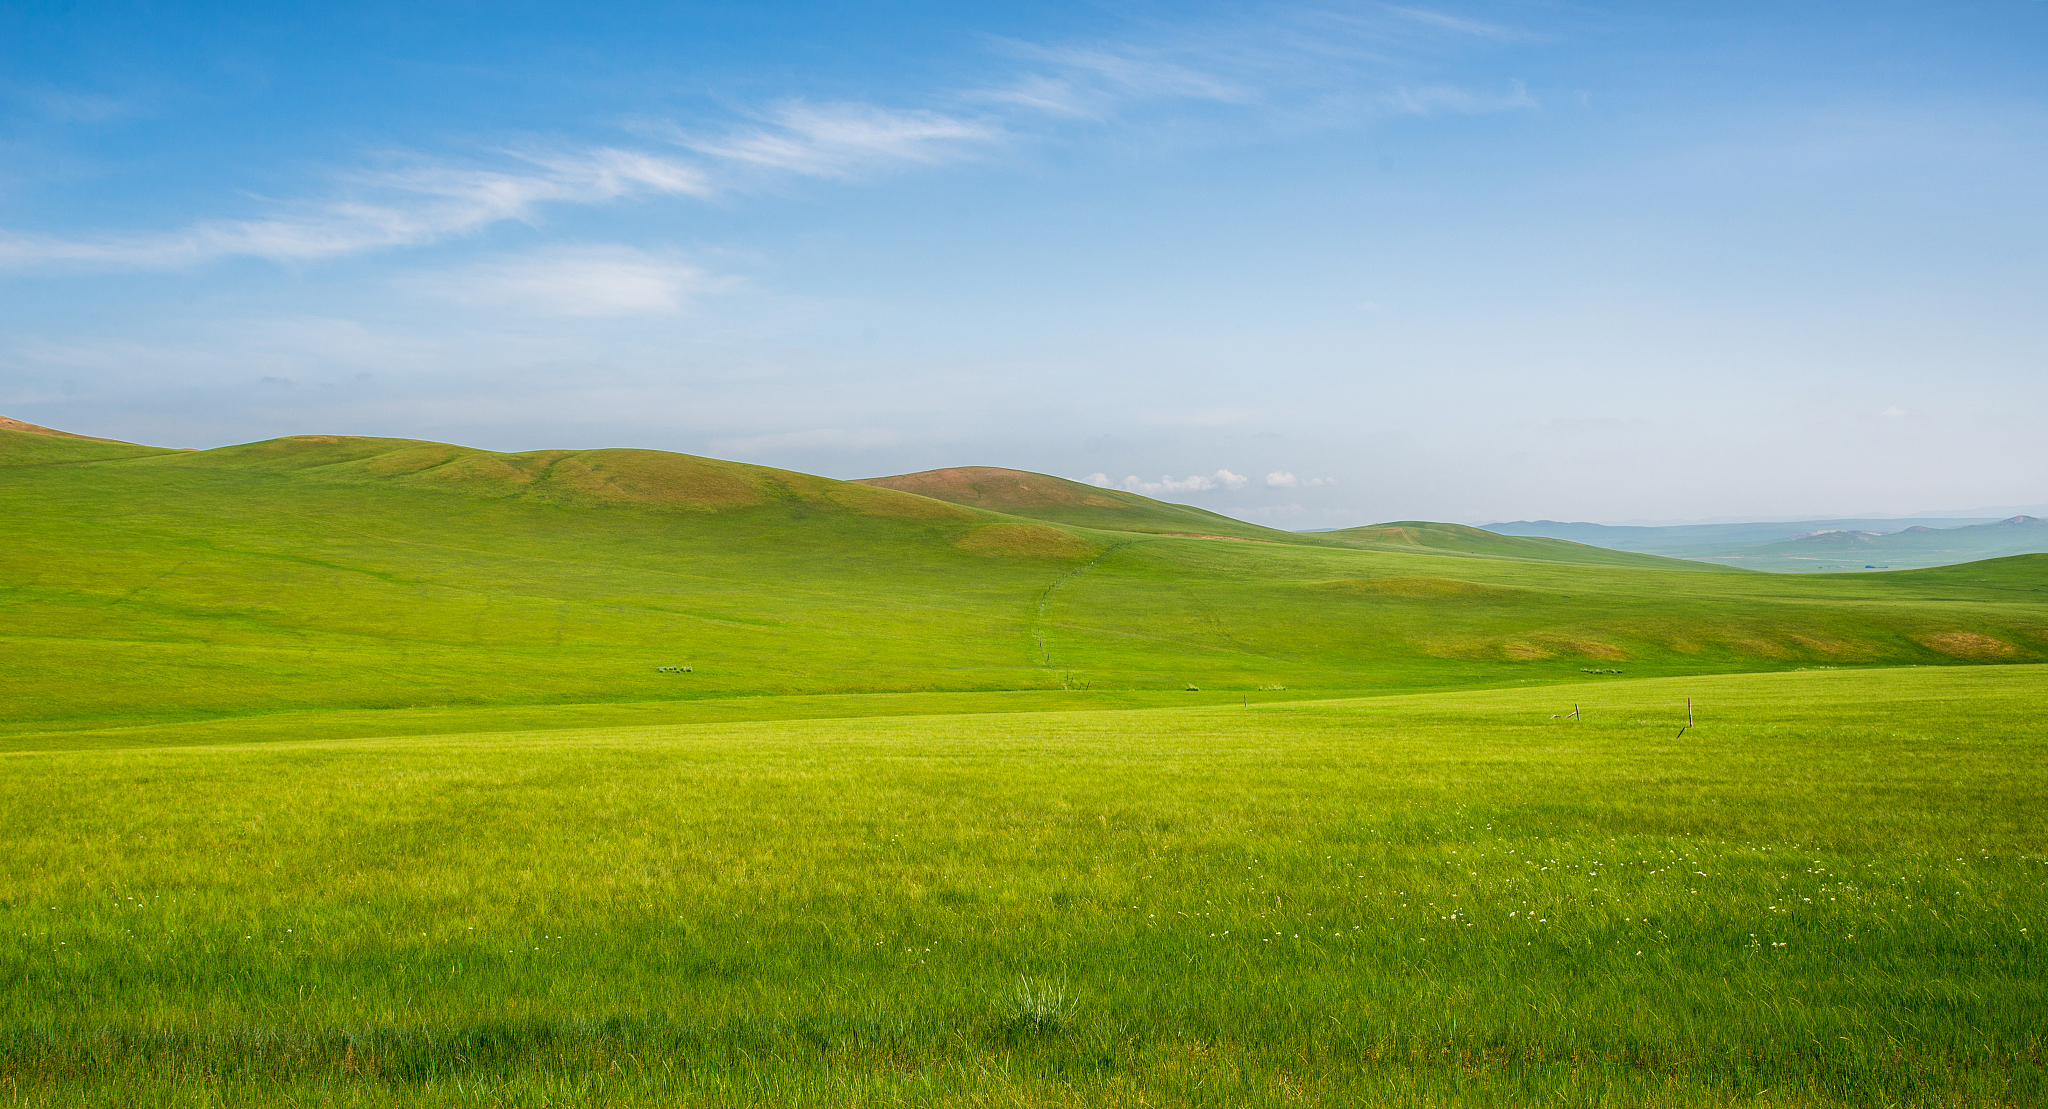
835	140
1291	68
418	206
586	281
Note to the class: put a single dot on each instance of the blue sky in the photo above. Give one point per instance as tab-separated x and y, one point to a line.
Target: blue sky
1313	265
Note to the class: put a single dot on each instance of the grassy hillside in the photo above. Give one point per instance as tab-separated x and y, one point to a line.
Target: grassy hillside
1828	892
323	574
25	444
1059	501
382	772
23	427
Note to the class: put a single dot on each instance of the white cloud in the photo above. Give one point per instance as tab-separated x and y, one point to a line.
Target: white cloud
1315	67
592	280
430	201
1051	95
825	438
1100	480
1306	65
1193	483
832	140
410	207
1281	479
1086	75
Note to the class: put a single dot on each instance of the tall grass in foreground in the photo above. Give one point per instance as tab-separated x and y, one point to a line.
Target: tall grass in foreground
1826	893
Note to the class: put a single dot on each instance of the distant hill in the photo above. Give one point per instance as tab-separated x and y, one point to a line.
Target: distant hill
1682	540
1059	500
1812	546
1917	544
1458	539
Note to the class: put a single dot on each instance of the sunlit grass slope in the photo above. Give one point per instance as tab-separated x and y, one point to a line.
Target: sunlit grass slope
322	574
1829	891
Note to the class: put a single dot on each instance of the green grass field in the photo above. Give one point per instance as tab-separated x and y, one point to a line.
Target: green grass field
347	772
1826	893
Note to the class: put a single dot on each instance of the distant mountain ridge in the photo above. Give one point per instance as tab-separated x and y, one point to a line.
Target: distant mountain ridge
1062	501
1693	537
1811	545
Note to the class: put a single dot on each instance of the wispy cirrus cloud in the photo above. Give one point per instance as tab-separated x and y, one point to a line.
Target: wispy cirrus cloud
419	204
1428	100
430	201
1307	63
588	281
835	140
1318	63
1084	81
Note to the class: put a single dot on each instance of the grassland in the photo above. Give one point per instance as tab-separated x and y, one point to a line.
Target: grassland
366	772
1826	893
322	575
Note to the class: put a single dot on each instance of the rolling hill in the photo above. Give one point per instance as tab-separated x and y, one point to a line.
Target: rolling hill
1060	501
384	577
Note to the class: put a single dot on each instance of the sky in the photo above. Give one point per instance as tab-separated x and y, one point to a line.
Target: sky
1311	265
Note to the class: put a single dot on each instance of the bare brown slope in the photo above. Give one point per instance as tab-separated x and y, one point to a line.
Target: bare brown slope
1060	501
26	444
1424	536
9	423
582	478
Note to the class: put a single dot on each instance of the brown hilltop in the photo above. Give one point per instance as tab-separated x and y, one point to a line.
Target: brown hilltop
9	423
1060	501
1004	490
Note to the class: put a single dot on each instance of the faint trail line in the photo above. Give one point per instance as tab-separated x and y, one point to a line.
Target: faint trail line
1038	627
